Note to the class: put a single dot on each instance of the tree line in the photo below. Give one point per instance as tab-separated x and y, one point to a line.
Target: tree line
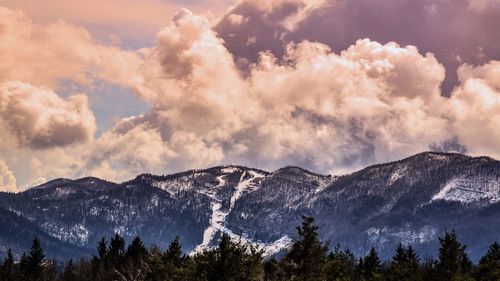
308	259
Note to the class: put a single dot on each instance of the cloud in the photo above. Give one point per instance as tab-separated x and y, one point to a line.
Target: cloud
311	107
333	111
457	32
481	5
128	22
46	135
39	118
7	178
475	107
56	51
288	13
306	104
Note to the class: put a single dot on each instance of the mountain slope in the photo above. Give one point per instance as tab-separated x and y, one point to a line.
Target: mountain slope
412	200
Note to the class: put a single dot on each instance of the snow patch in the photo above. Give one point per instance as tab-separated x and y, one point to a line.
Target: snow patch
77	233
245	185
229	170
469	190
398	173
248	181
406	236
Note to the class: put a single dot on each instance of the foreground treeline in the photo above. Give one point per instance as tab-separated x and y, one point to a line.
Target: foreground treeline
309	259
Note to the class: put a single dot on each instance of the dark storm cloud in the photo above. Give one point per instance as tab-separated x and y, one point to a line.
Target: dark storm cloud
457	32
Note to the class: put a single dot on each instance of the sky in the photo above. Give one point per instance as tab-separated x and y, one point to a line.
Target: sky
117	88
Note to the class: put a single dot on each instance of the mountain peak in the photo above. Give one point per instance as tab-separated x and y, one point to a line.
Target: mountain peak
410	200
296	170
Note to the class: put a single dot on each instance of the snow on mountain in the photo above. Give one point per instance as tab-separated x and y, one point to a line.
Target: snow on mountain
248	181
411	200
468	190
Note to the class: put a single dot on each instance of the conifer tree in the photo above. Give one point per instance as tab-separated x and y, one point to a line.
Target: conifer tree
116	250
453	264
405	265
174	252
99	263
307	256
230	261
489	265
34	261
136	250
340	265
170	265
102	249
8	270
370	267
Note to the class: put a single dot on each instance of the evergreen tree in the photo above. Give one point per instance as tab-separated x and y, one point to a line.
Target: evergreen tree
453	264
234	261
116	251
307	256
136	250
33	263
340	265
174	252
404	265
370	267
99	263
102	249
171	265
8	270
488	268
230	261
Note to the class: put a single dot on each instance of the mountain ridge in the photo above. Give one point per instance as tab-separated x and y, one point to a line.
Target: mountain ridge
191	171
410	200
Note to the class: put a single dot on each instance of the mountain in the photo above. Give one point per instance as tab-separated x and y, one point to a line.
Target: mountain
412	200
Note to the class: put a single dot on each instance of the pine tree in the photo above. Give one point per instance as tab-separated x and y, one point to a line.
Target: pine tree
414	267
340	265
33	263
405	265
489	266
136	250
99	263
230	261
453	264
116	250
174	252
371	267
8	270
102	249
307	256
170	265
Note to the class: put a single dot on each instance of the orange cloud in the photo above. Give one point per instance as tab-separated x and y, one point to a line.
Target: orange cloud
39	118
128	19
7	178
310	106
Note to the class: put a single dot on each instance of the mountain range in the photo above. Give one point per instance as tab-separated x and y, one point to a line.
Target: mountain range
413	200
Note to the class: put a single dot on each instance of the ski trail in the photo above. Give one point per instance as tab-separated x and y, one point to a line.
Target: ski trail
218	218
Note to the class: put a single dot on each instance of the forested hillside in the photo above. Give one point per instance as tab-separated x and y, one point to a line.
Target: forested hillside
308	259
412	200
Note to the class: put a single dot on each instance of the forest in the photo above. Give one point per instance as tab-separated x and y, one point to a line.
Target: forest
308	259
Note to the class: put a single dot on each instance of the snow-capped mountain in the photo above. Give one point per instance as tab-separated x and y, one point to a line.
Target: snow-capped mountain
412	200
